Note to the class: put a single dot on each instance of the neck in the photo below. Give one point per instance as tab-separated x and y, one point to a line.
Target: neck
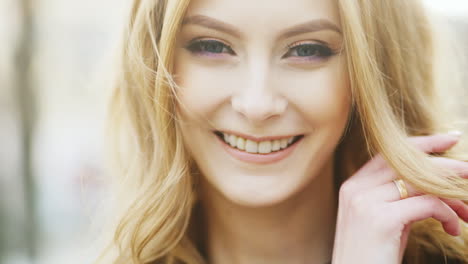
298	230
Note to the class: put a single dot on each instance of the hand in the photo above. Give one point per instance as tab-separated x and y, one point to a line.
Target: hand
373	221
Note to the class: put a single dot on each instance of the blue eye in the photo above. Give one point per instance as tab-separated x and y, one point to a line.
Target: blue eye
209	47
309	50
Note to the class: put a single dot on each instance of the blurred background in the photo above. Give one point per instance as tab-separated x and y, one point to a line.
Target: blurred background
53	56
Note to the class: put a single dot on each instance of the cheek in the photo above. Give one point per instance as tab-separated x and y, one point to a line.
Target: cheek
201	89
322	95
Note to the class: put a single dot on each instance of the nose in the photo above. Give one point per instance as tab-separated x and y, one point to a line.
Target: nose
258	100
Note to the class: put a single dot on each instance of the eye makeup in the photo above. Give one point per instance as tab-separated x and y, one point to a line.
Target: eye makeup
209	47
301	51
309	50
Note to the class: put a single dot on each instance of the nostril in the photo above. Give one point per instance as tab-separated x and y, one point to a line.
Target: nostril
258	108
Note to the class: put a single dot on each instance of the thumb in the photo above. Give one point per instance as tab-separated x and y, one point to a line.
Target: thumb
404	241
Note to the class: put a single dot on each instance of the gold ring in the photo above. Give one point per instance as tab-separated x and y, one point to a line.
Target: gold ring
400	184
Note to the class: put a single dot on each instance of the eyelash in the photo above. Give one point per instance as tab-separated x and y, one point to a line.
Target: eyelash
314	51
196	46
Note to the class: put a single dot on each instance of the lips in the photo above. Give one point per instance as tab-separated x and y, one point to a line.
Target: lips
265	155
262	147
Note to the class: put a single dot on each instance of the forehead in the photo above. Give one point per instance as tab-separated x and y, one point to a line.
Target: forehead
265	14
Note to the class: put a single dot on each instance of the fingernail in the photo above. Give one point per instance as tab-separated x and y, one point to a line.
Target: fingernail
456	133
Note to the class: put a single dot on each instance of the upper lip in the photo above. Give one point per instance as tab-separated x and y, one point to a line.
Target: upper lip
254	138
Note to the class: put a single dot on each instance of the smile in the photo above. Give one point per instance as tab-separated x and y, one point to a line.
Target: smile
260	152
261	147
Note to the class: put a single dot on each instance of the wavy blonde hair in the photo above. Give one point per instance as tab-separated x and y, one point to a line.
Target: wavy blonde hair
390	48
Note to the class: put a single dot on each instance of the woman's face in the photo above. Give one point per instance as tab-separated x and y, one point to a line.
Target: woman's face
264	73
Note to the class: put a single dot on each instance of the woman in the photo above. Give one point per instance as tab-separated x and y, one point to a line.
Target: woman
269	131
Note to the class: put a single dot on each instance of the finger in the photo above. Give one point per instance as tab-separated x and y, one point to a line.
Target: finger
459	167
389	193
422	207
435	143
459	207
429	144
386	175
382	173
404	242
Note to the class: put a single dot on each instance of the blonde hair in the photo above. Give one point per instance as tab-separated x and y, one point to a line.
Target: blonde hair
389	46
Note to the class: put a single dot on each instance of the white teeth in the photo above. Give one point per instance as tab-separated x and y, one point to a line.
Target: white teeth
251	146
284	143
241	143
276	145
232	140
263	147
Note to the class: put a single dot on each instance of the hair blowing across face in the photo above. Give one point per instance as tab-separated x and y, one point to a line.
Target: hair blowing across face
390	47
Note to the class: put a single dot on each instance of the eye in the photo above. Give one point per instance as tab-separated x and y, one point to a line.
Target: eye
309	51
209	47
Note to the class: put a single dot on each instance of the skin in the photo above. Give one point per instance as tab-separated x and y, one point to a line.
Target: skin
273	213
372	210
249	79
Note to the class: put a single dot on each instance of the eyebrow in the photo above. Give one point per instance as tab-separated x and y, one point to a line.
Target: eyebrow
306	27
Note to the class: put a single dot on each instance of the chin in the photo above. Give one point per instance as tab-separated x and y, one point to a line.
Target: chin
258	191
